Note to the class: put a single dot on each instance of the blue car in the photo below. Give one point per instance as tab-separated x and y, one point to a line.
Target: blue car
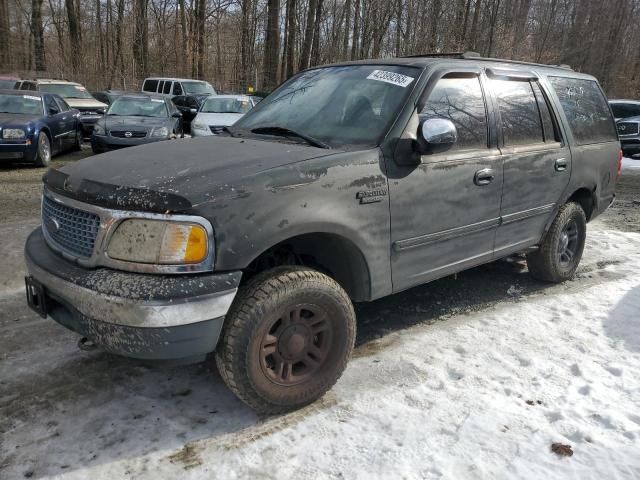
34	126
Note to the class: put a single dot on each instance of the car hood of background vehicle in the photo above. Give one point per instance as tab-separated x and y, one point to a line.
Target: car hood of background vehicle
218	119
84	103
117	122
16	118
175	175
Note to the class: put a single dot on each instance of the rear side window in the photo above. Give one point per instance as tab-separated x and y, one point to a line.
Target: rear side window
167	87
28	86
625	110
150	85
586	110
519	113
460	100
177	88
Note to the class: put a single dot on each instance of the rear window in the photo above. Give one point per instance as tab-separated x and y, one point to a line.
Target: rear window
586	109
150	85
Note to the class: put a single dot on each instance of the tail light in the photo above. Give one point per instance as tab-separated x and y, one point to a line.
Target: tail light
619	165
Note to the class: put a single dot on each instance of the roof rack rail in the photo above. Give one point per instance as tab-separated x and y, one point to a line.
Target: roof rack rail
477	56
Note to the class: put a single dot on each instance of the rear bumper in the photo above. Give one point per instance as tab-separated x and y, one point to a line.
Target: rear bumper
135	315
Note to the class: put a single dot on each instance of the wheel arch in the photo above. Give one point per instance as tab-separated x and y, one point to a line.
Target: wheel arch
586	198
330	253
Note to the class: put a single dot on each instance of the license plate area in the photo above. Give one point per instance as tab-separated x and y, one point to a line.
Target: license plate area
36	296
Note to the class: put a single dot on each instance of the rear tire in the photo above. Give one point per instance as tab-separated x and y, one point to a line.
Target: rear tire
286	340
43	152
561	249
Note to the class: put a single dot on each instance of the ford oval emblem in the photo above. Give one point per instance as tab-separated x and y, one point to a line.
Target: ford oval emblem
128	134
53	226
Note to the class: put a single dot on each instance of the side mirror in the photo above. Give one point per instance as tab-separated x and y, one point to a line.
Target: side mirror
53	111
176	115
193	111
437	135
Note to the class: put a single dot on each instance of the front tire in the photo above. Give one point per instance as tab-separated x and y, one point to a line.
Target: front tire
77	145
287	339
43	153
561	249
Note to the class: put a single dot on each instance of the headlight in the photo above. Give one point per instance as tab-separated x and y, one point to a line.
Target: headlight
199	126
13	133
159	242
98	129
160	132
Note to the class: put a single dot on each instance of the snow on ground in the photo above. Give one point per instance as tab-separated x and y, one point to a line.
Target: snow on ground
481	393
630	163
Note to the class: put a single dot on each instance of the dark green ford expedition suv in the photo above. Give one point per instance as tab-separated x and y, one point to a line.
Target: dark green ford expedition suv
348	183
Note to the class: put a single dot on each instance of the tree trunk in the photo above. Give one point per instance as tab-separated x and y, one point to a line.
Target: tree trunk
140	45
356	31
5	50
315	45
347	25
75	36
37	32
201	7
291	36
305	55
272	44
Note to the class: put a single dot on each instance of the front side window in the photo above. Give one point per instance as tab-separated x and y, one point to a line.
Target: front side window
519	114
138	107
625	110
62	105
28	86
339	106
460	100
177	88
226	105
586	110
52	106
25	104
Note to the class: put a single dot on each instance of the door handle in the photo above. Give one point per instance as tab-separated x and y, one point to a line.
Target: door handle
483	177
560	164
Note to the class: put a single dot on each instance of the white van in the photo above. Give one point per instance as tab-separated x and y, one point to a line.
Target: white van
177	86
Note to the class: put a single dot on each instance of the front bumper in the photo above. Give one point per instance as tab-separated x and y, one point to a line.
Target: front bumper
107	142
88	122
136	315
14	150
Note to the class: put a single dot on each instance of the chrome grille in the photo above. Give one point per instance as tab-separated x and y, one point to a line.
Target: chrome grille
132	133
73	230
216	129
627	128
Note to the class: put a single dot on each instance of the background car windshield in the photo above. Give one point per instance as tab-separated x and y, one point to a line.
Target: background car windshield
350	105
25	104
226	105
65	90
9	84
138	107
195	88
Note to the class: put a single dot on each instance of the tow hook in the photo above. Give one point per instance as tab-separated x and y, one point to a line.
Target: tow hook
86	345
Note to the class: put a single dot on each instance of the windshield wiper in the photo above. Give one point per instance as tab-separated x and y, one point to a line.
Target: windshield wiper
287	132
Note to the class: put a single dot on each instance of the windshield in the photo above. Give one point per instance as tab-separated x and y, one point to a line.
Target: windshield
138	107
226	105
8	84
195	88
349	105
625	110
65	90
26	104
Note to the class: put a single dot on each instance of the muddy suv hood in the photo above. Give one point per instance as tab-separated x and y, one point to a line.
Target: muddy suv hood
174	175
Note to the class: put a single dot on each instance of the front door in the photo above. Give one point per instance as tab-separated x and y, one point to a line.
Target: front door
537	162
445	211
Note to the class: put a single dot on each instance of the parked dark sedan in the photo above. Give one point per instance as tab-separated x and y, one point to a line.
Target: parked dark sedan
134	119
34	126
189	106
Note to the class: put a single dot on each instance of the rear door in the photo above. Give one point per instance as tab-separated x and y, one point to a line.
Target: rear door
536	158
445	211
69	120
56	124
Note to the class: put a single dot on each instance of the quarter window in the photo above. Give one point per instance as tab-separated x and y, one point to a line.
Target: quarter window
586	110
519	114
52	106
460	100
167	87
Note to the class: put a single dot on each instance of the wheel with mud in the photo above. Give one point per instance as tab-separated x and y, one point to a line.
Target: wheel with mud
561	249
287	339
43	153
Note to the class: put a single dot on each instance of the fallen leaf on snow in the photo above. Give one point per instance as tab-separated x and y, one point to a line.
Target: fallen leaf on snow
561	449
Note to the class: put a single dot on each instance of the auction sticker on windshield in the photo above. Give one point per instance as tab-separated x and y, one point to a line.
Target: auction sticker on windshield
390	77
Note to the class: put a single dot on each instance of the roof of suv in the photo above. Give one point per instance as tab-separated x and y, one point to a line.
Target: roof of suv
53	80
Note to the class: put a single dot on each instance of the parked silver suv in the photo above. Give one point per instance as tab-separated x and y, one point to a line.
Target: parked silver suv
627	115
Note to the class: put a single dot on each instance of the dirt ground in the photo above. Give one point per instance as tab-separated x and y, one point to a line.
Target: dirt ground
46	383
